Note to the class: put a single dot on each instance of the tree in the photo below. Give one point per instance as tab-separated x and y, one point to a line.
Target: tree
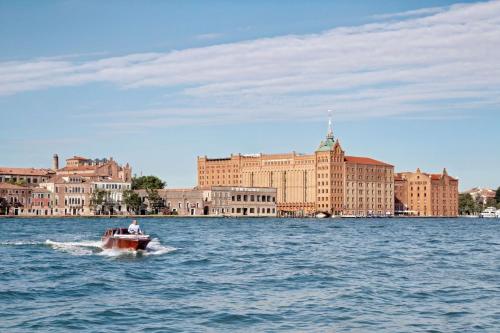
147	182
155	201
479	204
132	200
466	204
497	195
97	200
18	182
4	206
491	202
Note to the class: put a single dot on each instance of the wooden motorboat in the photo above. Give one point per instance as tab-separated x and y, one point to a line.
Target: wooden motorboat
119	238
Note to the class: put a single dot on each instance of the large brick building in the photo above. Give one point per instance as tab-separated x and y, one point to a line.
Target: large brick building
326	181
423	194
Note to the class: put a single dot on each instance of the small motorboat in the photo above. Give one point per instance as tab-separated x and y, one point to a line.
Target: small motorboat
120	238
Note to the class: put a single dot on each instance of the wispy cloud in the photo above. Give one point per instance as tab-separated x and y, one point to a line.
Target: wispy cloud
209	36
430	60
411	13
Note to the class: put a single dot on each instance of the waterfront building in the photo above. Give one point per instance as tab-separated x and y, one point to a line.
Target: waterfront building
73	194
326	181
14	199
217	200
424	194
241	201
29	176
41	201
113	198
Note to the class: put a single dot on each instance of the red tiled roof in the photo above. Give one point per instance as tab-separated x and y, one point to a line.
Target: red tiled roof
9	186
24	171
437	176
364	160
398	176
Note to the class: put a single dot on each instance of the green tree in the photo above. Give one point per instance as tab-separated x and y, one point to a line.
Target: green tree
147	182
18	182
97	200
491	202
132	200
155	201
4	206
497	195
466	204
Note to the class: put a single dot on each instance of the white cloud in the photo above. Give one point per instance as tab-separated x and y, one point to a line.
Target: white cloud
209	36
446	59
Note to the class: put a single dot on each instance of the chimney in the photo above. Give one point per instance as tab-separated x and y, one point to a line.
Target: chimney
55	162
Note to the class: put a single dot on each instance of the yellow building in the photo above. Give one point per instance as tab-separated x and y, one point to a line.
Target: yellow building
326	181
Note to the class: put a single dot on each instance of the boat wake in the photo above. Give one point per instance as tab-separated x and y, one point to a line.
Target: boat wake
87	247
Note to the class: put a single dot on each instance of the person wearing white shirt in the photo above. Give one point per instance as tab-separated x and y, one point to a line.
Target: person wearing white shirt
134	228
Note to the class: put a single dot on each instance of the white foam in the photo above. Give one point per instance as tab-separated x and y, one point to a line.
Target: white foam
155	248
20	243
76	248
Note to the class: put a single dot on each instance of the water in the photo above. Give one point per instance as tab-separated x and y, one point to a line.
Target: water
229	275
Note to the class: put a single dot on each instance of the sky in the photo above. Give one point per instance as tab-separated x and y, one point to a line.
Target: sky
158	83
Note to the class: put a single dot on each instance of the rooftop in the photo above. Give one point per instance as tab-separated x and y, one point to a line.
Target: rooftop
364	160
24	171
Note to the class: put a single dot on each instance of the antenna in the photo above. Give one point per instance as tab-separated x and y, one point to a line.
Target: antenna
330	130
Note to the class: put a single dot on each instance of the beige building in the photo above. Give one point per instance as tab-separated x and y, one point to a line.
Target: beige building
326	181
424	194
217	201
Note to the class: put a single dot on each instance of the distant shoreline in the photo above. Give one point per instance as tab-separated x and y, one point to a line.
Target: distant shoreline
216	216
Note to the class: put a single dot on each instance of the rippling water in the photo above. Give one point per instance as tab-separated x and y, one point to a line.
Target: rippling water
363	275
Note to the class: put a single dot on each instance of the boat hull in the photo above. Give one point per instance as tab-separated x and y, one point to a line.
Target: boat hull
125	244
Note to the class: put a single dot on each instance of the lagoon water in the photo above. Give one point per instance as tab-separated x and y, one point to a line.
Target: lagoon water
228	275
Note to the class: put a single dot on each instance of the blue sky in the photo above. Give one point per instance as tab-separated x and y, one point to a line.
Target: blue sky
157	83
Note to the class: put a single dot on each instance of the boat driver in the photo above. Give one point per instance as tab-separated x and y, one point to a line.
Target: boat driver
134	228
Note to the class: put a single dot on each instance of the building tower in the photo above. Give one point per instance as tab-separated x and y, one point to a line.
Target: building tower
329	163
55	162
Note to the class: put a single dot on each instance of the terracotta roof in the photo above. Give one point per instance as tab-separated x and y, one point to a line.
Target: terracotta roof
398	176
9	186
437	176
24	171
364	160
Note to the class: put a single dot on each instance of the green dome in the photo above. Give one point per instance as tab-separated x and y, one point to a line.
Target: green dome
327	145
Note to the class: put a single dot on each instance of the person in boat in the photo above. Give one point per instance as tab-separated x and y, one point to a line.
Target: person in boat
134	228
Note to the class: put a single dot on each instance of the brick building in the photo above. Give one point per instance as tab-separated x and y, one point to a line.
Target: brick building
326	181
424	194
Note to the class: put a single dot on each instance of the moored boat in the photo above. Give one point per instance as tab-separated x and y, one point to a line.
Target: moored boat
490	212
120	238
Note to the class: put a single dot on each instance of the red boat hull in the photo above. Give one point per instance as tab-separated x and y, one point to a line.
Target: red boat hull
125	244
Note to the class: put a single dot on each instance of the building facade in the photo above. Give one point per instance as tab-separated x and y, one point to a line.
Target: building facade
424	194
28	176
217	201
327	181
41	202
14	199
